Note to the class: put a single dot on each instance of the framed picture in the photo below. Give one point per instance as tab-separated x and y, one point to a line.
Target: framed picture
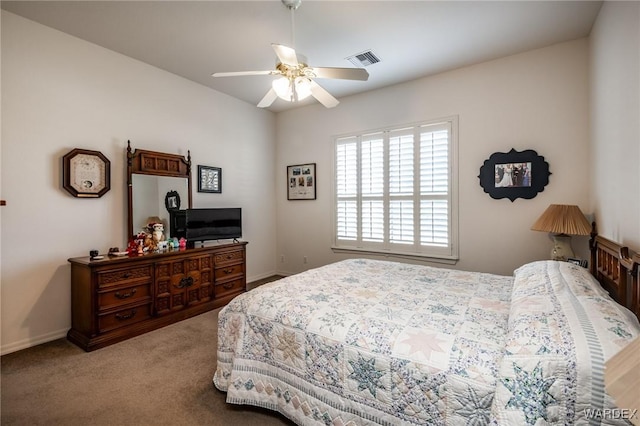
172	201
301	182
86	173
209	179
514	174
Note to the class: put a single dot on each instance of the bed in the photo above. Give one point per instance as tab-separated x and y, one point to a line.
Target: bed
362	342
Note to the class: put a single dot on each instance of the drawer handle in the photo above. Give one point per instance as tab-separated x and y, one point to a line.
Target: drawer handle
125	295
228	271
185	282
126	275
122	317
227	286
229	256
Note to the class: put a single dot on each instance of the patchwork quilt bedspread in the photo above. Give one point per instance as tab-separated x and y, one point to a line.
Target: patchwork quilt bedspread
562	328
364	342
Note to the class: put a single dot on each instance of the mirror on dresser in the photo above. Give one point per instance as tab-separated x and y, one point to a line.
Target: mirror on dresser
157	183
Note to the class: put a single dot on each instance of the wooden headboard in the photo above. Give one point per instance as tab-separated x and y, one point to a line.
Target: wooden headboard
617	268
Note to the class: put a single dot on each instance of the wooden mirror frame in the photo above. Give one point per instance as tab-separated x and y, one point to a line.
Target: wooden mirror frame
145	162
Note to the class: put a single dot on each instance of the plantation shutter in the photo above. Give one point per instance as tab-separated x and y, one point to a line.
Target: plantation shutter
434	185
347	189
393	191
401	186
372	165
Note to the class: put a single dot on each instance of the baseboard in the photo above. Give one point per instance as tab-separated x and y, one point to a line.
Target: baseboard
33	341
261	276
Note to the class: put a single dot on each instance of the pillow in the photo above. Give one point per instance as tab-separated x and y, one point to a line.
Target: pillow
562	328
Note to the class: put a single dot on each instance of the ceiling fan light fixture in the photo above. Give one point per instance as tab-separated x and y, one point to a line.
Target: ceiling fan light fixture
303	88
282	87
290	89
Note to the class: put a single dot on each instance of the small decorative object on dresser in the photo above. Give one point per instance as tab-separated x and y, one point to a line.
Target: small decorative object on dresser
301	182
86	173
209	179
158	232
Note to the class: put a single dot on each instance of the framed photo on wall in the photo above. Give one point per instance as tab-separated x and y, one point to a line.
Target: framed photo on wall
514	174
301	182
209	179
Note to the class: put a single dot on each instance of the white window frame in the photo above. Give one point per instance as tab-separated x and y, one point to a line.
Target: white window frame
438	253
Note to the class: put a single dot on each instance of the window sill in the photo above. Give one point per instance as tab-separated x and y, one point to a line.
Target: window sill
398	255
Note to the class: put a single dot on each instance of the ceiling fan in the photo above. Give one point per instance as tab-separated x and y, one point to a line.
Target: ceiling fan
296	81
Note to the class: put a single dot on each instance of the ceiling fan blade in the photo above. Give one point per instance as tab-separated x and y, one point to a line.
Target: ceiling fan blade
341	73
240	73
285	54
324	97
268	99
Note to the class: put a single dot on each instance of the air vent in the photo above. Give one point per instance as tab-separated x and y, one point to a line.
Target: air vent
364	59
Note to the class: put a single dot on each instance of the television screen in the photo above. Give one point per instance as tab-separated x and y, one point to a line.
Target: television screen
213	224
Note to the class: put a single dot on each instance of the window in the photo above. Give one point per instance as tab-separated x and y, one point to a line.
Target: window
395	190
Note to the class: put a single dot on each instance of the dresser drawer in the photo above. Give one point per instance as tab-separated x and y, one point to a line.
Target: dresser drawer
229	287
229	271
121	296
123	276
229	257
123	317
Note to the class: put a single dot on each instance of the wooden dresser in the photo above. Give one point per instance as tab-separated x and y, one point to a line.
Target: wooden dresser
116	298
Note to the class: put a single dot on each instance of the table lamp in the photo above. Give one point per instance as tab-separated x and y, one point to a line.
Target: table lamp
562	221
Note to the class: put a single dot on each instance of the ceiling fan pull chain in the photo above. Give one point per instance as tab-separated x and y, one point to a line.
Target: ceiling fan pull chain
294	93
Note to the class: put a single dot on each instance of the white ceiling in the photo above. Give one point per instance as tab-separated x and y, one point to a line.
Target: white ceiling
413	39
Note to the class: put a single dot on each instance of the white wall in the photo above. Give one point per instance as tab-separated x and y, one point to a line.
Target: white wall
60	93
536	100
615	121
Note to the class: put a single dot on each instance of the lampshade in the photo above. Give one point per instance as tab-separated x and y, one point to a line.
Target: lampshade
291	89
562	219
153	219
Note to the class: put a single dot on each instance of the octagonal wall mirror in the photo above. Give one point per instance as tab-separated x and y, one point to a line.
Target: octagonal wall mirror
158	184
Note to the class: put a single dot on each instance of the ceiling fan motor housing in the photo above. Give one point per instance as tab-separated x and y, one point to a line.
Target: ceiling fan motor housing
292	4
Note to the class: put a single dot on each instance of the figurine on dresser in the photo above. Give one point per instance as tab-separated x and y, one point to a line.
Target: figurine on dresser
154	236
157	233
151	238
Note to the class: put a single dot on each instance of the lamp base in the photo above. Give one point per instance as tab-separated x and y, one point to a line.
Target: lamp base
561	247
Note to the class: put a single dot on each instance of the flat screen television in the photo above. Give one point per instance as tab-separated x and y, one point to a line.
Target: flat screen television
212	224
